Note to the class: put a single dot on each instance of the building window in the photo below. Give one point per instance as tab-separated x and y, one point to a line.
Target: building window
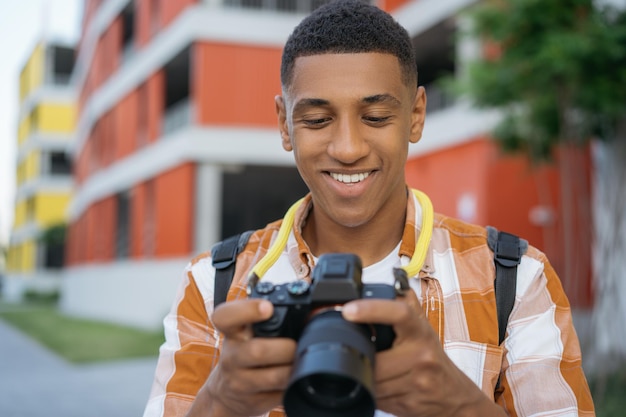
436	59
291	6
123	225
251	184
177	103
62	65
128	30
60	164
52	246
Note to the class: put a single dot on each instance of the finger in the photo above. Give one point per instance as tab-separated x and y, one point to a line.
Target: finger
235	316
391	312
247	392
258	380
259	352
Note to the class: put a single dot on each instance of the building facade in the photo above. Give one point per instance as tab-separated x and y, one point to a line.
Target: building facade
177	135
47	118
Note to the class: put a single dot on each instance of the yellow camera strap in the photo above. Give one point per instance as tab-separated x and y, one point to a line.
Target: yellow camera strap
413	267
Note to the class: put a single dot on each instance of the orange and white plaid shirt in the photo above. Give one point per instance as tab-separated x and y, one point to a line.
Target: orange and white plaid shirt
539	361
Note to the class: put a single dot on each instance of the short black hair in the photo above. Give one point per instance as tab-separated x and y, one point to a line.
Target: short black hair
349	26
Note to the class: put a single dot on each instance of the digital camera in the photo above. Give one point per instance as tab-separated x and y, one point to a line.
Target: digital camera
333	373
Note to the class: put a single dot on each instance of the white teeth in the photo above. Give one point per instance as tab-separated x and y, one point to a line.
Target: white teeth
349	179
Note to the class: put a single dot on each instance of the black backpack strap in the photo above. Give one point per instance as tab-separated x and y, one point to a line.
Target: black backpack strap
507	250
224	256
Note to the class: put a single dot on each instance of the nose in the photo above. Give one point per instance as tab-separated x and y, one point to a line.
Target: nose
348	144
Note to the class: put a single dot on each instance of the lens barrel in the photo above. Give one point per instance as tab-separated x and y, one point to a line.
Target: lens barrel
333	371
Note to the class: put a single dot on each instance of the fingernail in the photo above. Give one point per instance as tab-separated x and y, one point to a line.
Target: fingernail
265	308
349	311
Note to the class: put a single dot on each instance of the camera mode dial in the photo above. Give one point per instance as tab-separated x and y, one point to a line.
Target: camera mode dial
298	287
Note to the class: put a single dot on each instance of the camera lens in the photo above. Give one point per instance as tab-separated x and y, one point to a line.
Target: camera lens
326	390
329	387
333	371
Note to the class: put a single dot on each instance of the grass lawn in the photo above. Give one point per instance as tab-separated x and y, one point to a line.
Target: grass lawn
610	395
79	340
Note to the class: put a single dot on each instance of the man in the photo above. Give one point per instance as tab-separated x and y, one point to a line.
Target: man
349	109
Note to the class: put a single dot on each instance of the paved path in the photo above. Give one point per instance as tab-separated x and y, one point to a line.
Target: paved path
35	382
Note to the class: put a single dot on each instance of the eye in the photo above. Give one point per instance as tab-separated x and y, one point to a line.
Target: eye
376	120
316	122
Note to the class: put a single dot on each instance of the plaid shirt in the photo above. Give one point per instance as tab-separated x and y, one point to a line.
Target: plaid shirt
539	362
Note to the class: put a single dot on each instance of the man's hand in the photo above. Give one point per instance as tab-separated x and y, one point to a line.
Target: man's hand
415	377
252	373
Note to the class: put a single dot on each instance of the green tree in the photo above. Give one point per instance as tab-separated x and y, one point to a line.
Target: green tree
559	78
53	244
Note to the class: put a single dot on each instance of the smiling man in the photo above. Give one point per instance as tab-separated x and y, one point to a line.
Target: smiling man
350	107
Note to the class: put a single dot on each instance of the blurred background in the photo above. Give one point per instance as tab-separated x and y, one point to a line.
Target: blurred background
134	130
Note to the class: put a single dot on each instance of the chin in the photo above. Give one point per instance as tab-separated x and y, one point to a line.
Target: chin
352	221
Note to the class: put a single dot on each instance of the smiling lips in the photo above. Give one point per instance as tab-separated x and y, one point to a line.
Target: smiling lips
349	178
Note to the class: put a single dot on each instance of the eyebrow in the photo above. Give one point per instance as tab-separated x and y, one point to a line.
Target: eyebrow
320	102
310	102
381	98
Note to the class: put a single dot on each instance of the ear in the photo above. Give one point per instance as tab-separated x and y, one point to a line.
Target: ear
418	115
283	126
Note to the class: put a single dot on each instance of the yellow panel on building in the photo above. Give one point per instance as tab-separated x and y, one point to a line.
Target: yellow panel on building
20	214
50	208
28	256
31	76
58	118
19	176
23	130
22	257
12	260
32	170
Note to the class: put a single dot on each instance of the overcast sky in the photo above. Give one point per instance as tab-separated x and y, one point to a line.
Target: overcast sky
22	23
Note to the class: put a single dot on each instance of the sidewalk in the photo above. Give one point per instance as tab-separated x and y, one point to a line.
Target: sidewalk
34	382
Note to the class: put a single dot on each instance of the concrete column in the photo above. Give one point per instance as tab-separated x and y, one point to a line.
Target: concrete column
208	209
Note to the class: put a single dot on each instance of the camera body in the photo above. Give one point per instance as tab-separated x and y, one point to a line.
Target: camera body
333	369
336	280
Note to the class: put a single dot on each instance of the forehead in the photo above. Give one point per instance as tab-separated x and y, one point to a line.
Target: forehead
359	74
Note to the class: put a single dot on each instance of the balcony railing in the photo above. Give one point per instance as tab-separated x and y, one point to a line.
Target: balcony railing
177	116
127	52
438	98
291	6
57	79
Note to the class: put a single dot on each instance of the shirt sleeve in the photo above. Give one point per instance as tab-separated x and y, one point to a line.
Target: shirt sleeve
191	347
542	366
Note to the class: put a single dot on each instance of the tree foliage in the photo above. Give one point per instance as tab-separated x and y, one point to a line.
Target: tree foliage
559	73
54	235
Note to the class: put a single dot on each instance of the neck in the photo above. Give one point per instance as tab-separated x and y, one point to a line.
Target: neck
371	241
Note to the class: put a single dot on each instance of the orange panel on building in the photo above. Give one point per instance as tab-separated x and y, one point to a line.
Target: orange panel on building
143	21
125	125
175	211
505	191
155	105
236	84
391	5
168	10
449	174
